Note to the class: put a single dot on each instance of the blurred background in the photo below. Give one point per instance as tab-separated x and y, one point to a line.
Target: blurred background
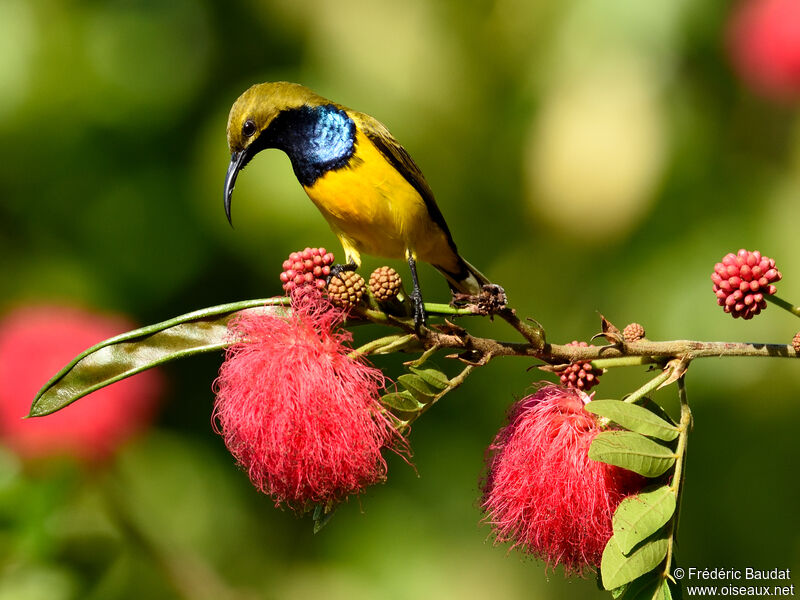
590	155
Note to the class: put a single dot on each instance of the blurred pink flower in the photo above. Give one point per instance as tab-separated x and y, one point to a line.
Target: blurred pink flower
301	417
542	493
35	343
764	42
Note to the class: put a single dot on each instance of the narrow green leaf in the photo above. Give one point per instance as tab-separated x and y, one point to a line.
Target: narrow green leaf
635	418
133	352
641	515
402	401
417	387
632	451
433	377
617	569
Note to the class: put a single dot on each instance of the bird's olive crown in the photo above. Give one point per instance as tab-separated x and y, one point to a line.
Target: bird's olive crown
256	109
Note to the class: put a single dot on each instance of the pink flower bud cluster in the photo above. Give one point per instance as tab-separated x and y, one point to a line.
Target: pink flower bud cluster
742	280
311	266
580	375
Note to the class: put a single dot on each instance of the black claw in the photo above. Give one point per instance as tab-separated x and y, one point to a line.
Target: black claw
337	270
420	316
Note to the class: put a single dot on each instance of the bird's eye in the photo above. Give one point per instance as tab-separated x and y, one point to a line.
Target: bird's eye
249	128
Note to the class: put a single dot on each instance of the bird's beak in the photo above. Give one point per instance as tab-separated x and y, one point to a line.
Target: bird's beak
238	160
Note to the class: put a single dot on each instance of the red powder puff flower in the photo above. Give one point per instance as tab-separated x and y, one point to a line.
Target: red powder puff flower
764	41
542	493
35	343
742	280
302	417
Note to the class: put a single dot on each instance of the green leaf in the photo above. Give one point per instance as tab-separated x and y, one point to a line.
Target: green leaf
656	409
632	451
650	586
133	352
322	517
641	515
433	377
402	401
617	569
417	387
635	418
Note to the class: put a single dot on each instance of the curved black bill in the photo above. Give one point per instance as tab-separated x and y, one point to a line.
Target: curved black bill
238	161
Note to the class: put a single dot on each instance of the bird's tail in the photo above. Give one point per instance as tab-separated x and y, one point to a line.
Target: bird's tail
468	280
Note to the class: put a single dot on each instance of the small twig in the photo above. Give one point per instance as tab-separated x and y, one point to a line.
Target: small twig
534	334
384	345
795	310
623	361
684	426
648	387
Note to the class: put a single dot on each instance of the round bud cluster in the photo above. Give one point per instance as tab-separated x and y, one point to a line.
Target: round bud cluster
742	280
796	342
580	375
633	332
309	267
385	283
346	289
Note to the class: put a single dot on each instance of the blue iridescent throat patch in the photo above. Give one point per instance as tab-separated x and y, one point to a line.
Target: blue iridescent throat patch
317	139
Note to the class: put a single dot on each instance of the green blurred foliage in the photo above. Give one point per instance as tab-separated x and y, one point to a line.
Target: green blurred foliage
590	155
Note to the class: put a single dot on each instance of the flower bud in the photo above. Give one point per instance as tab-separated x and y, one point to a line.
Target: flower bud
309	267
742	280
346	289
633	332
385	284
580	375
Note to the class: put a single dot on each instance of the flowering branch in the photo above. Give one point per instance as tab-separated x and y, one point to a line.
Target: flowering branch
308	418
650	351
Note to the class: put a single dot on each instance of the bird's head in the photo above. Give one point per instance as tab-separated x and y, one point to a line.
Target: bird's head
250	119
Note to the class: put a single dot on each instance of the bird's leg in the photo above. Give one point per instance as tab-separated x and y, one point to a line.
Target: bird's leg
416	296
337	270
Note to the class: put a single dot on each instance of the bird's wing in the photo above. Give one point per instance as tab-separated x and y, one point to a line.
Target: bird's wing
397	156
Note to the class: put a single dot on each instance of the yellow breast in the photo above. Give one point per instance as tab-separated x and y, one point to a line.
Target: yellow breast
373	209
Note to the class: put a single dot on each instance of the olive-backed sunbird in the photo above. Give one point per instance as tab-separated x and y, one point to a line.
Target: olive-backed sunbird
362	180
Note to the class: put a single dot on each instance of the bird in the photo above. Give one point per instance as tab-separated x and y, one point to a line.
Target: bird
366	185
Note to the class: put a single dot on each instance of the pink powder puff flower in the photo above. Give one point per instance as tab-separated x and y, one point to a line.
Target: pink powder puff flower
36	342
298	414
542	493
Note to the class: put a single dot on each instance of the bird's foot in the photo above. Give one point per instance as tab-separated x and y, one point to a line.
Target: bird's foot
337	270
491	300
420	316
